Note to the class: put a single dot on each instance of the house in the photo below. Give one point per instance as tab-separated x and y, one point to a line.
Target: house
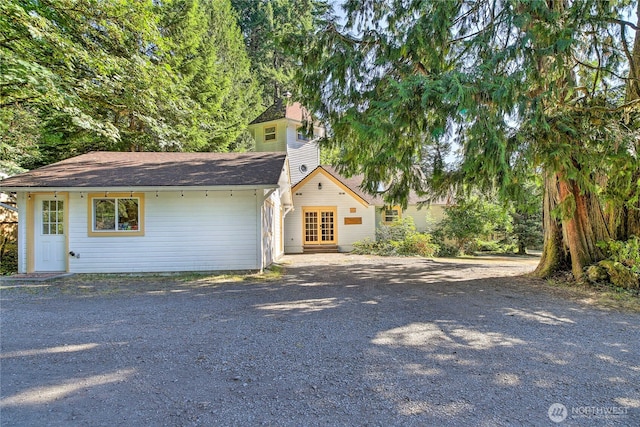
156	212
330	211
152	212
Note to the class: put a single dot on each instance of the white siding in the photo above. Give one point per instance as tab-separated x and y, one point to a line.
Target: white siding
181	233
425	218
301	153
331	195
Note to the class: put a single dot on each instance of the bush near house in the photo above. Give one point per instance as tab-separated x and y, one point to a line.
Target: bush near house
8	239
472	223
400	238
8	258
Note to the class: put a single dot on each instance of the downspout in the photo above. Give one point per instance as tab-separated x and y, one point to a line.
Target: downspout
287	209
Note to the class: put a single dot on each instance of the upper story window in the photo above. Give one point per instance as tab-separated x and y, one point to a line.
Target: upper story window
116	216
270	133
301	136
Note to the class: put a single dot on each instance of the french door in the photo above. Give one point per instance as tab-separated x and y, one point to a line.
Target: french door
320	226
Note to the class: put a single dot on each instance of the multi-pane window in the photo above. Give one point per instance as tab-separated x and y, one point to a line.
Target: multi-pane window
327	226
390	215
270	133
319	225
311	226
52	217
116	214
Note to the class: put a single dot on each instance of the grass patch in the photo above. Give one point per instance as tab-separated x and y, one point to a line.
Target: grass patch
599	295
85	285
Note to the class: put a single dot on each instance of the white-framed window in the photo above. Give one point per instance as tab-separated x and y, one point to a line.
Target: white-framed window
116	215
270	133
52	217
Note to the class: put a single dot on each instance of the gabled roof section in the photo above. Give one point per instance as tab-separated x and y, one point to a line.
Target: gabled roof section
283	110
358	195
354	183
125	169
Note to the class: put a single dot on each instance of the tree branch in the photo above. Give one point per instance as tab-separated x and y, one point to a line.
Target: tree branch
623	23
599	69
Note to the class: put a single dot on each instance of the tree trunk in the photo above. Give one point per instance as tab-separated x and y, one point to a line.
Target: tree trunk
624	220
554	253
522	248
573	238
581	229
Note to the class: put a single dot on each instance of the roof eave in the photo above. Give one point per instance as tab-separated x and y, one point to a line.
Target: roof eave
142	188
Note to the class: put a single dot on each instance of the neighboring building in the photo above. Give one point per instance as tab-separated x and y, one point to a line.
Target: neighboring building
331	212
152	212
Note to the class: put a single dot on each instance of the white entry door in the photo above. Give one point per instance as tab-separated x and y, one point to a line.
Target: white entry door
50	242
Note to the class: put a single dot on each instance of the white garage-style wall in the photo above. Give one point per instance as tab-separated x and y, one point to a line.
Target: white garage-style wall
355	220
183	231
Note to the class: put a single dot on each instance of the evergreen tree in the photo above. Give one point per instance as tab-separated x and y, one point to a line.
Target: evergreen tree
271	28
516	85
120	75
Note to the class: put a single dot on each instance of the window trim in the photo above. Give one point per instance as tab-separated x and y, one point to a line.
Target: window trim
274	133
115	233
391	208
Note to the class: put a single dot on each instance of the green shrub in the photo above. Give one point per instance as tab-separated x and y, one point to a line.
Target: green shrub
622	266
500	247
9	258
418	244
472	218
398	238
396	231
365	247
625	252
445	250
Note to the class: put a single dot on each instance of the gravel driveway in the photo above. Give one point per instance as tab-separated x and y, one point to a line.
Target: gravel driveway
337	340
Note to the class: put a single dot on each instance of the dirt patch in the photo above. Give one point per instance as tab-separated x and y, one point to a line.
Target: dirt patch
334	340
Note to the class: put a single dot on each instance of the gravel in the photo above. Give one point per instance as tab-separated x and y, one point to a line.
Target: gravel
336	340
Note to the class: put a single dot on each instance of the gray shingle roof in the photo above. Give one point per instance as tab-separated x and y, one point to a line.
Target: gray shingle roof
354	184
281	109
125	169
